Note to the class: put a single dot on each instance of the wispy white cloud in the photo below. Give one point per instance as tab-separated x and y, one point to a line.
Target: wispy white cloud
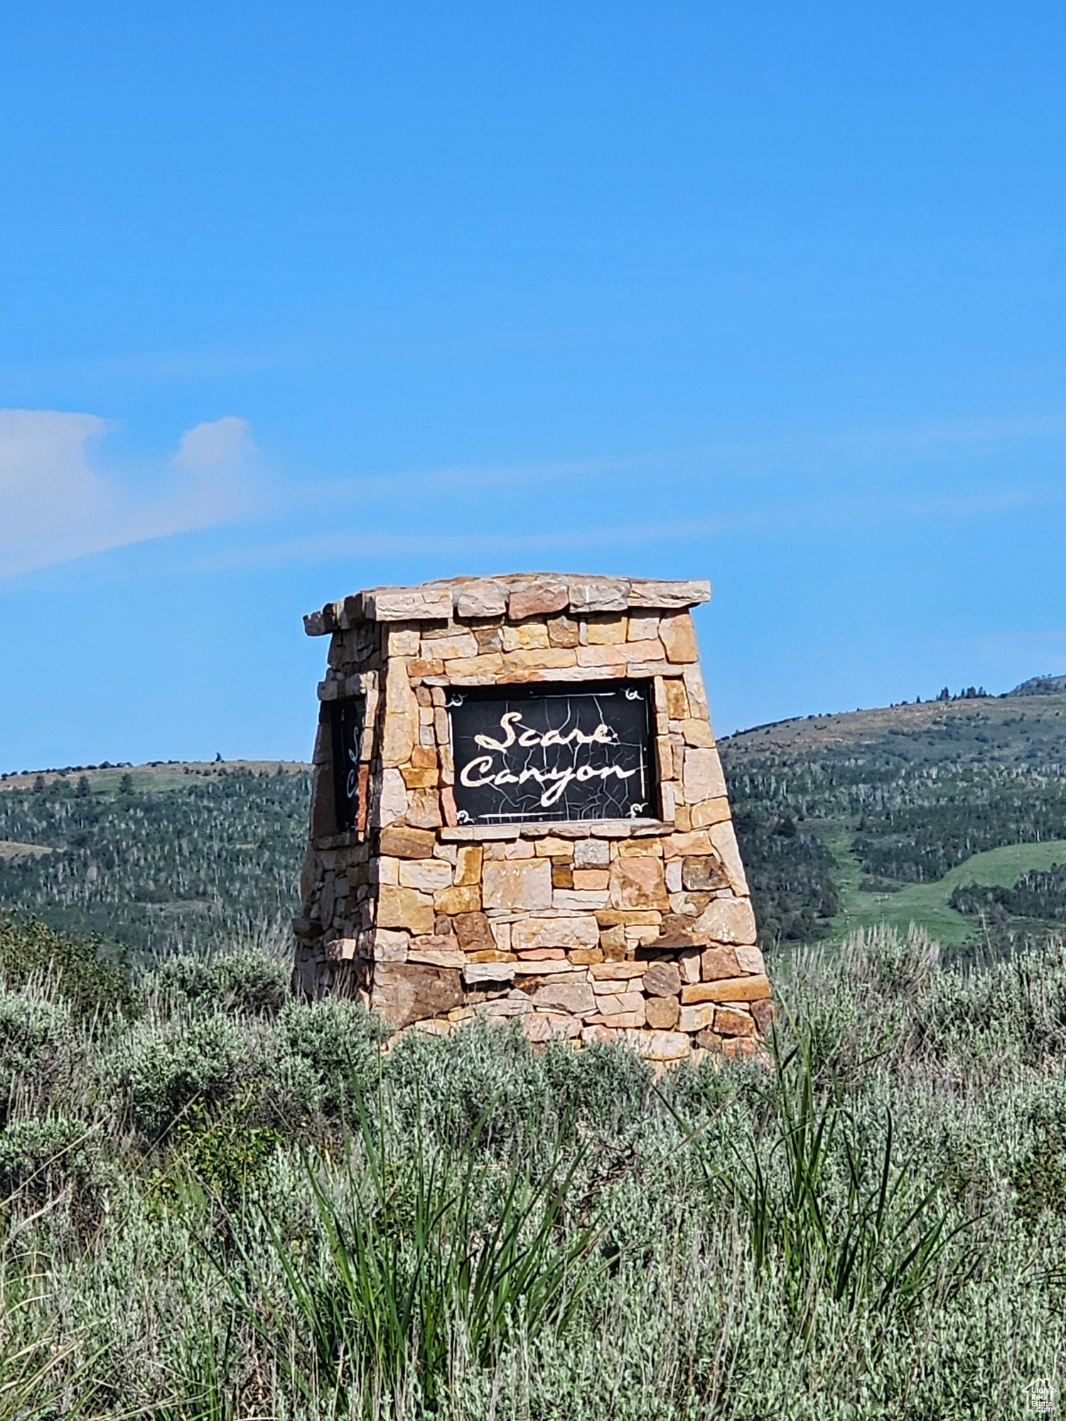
59	501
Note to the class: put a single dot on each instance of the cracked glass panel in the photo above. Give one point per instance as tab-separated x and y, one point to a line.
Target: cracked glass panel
553	752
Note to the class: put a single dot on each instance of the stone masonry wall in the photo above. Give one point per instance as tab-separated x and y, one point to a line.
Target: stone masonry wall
600	930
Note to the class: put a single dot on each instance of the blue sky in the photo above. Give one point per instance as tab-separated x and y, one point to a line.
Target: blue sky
300	298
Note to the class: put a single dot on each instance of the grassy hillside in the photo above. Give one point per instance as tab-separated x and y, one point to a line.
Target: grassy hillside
155	858
220	1203
850	819
844	821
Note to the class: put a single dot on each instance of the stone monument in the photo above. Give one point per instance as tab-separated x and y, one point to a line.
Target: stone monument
518	810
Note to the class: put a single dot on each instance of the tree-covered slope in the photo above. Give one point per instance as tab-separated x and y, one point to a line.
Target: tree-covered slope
158	857
836	811
842	820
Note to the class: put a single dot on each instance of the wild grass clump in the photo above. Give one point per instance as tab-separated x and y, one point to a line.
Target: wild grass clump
230	1204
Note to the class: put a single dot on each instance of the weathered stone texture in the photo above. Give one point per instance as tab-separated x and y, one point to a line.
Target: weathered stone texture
591	931
523	884
404	994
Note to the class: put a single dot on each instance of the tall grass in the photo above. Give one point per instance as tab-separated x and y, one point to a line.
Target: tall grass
226	1205
416	1260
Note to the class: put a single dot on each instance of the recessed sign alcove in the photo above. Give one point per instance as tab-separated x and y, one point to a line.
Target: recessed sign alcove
564	752
347	726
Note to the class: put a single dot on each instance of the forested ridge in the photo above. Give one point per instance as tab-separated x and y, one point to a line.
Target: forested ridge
908	792
161	858
151	862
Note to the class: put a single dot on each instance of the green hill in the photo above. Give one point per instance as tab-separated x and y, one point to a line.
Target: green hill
155	858
891	814
951	814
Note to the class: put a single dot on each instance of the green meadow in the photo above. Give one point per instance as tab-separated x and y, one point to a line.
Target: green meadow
927	904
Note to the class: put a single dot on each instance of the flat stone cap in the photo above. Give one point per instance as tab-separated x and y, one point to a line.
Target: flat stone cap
511	595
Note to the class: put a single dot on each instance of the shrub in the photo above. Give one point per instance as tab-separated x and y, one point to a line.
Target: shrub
42	1159
167	1067
244	981
82	976
35	1038
328	1053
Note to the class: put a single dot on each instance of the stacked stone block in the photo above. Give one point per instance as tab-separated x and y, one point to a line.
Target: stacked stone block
635	930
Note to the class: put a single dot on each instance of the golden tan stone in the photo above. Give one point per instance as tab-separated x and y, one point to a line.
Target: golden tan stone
681	844
417	668
552	847
405	908
613	943
416	778
465	898
400	733
527	636
562	874
727	989
698	734
640	849
589	878
514	884
450	648
629	917
606	631
724	840
638	883
676	699
551	658
489	664
404	843
468	865
709	813
563	631
585	956
678	636
661	1013
719	962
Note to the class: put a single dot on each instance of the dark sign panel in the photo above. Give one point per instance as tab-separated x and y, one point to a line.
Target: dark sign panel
347	725
553	752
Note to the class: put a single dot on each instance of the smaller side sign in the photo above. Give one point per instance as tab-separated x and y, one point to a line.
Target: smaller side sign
570	752
347	726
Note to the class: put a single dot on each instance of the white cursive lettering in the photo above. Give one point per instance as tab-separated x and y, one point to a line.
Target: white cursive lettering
529	738
478	772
